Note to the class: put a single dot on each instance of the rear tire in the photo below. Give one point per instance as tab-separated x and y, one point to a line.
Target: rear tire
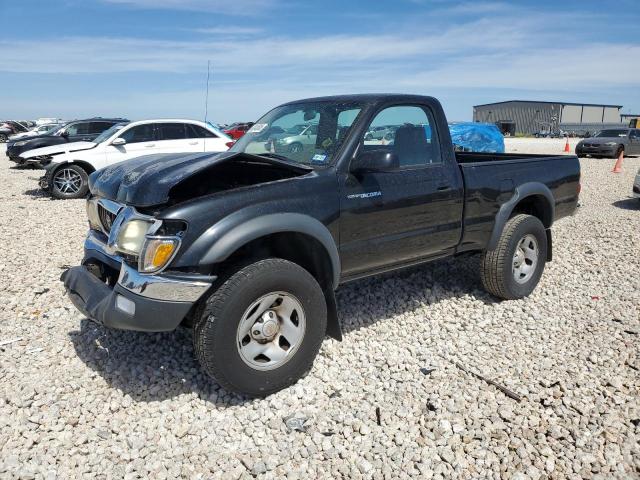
69	181
261	330
513	269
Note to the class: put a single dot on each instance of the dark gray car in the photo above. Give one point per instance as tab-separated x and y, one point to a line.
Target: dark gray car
611	143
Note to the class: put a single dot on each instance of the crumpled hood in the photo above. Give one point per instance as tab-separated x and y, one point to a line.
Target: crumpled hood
57	149
146	181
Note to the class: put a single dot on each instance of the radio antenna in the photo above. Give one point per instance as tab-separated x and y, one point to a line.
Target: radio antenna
206	99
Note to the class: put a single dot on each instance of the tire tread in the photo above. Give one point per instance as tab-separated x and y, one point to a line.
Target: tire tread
209	311
493	261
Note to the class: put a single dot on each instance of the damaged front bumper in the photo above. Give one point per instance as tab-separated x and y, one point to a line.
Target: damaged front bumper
150	303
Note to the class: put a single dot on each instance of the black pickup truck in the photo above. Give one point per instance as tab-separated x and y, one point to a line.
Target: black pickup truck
248	246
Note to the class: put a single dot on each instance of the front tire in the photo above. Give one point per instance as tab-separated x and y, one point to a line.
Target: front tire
619	151
295	148
69	181
261	330
513	269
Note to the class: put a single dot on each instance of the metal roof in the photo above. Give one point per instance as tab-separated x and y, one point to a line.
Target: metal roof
555	103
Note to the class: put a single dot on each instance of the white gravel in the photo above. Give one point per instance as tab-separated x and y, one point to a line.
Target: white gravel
79	400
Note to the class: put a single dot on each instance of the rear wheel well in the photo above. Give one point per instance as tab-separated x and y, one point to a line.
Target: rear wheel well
536	205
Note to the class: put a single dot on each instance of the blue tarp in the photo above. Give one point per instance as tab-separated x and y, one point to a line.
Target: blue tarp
476	137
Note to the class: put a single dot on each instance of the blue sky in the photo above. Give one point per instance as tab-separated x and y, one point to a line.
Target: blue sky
148	58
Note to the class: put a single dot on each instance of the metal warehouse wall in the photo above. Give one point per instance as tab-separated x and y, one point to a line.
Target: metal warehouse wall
530	117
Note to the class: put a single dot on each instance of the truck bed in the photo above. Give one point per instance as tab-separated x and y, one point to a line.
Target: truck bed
491	179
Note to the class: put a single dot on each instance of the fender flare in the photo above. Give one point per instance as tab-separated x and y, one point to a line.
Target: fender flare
243	233
521	192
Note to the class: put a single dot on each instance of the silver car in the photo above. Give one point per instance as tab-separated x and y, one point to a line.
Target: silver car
305	140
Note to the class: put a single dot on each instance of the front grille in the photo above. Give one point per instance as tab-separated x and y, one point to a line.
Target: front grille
106	218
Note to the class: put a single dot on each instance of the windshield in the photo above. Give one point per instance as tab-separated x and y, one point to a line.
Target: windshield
107	133
612	133
308	133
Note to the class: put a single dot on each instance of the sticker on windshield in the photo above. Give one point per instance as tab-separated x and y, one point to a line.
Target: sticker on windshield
318	158
258	127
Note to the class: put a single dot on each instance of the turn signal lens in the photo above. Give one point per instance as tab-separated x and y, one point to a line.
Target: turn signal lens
162	254
157	253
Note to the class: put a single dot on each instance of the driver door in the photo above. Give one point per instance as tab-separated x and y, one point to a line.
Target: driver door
140	140
406	214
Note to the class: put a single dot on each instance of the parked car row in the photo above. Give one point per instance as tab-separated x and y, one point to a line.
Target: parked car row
71	152
237	130
13	127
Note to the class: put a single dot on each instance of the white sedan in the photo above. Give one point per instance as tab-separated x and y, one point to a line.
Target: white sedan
69	165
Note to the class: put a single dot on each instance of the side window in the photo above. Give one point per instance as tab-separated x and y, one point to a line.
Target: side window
196	131
171	131
408	131
78	129
99	127
138	134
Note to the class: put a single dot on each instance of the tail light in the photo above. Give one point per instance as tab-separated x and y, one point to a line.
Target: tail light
230	144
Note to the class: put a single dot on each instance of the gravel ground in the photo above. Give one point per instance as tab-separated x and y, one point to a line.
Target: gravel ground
79	400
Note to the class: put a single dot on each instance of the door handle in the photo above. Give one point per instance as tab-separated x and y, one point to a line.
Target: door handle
150	145
194	143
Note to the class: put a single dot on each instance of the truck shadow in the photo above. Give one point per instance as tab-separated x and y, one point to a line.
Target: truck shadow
157	366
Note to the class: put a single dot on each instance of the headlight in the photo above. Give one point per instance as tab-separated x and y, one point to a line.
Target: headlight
157	253
19	144
131	236
610	144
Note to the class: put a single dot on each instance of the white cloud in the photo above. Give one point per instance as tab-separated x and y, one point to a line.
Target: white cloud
229	30
524	53
109	55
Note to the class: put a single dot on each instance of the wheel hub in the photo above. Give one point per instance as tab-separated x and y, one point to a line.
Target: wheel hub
518	258
271	330
525	259
266	328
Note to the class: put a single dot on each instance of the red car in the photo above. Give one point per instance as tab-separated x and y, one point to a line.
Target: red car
237	130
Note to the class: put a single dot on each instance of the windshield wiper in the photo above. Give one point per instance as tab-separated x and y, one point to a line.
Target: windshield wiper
284	159
274	155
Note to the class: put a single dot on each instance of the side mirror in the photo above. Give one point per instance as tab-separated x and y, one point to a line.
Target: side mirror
118	142
375	161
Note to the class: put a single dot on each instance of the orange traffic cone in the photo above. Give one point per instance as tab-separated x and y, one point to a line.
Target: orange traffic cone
567	148
618	166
